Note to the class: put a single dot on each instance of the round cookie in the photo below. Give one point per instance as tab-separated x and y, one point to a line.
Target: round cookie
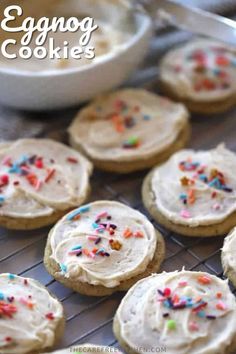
88	348
31	319
228	256
180	312
130	130
194	192
40	181
102	248
202	75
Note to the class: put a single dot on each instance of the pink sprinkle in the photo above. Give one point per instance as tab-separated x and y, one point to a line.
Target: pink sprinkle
216	206
72	253
221	306
185	214
23	301
91	254
102	215
38	185
193	326
92	238
6	161
183	284
101	227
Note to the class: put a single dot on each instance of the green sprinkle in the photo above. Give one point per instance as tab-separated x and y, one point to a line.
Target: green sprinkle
133	140
63	268
171	325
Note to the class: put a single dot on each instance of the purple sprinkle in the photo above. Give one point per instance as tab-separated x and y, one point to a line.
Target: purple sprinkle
98	240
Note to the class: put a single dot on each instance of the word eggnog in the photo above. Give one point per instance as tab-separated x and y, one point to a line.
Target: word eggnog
37	32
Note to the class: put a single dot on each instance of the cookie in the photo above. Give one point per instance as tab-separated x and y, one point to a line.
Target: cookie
178	313
88	348
228	256
31	319
40	181
102	248
202	75
130	130
194	192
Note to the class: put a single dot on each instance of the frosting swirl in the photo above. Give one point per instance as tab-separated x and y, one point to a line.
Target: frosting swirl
127	125
201	70
103	243
186	312
196	187
43	176
29	315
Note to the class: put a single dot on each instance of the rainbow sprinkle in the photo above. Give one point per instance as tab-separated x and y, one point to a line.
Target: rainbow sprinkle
214	179
132	143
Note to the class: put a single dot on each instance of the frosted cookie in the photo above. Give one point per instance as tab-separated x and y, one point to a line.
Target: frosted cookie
184	312
201	74
228	256
103	247
130	130
31	320
194	192
88	348
40	181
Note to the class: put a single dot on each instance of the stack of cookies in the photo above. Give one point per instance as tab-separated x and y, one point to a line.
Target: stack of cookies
101	247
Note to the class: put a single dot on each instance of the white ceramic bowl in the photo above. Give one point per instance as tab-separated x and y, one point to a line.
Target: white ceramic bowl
68	87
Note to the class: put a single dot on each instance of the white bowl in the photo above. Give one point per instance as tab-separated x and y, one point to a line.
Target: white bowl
68	87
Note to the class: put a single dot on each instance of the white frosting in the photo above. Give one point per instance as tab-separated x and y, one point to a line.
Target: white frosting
209	204
88	348
27	190
29	315
104	127
182	331
229	252
186	68
117	265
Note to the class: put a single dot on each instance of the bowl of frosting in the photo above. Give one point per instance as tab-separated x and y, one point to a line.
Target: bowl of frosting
58	53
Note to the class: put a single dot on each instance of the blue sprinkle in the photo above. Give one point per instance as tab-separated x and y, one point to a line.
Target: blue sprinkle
84	209
146	117
1	296
95	225
2	199
72	215
166	304
11	276
81	210
183	196
23	160
203	177
201	314
63	268
216	71
76	248
215	183
14	169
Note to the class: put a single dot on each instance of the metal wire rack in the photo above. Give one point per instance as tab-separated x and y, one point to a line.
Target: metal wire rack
90	319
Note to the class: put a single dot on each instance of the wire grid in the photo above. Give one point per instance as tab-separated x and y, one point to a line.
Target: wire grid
90	319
